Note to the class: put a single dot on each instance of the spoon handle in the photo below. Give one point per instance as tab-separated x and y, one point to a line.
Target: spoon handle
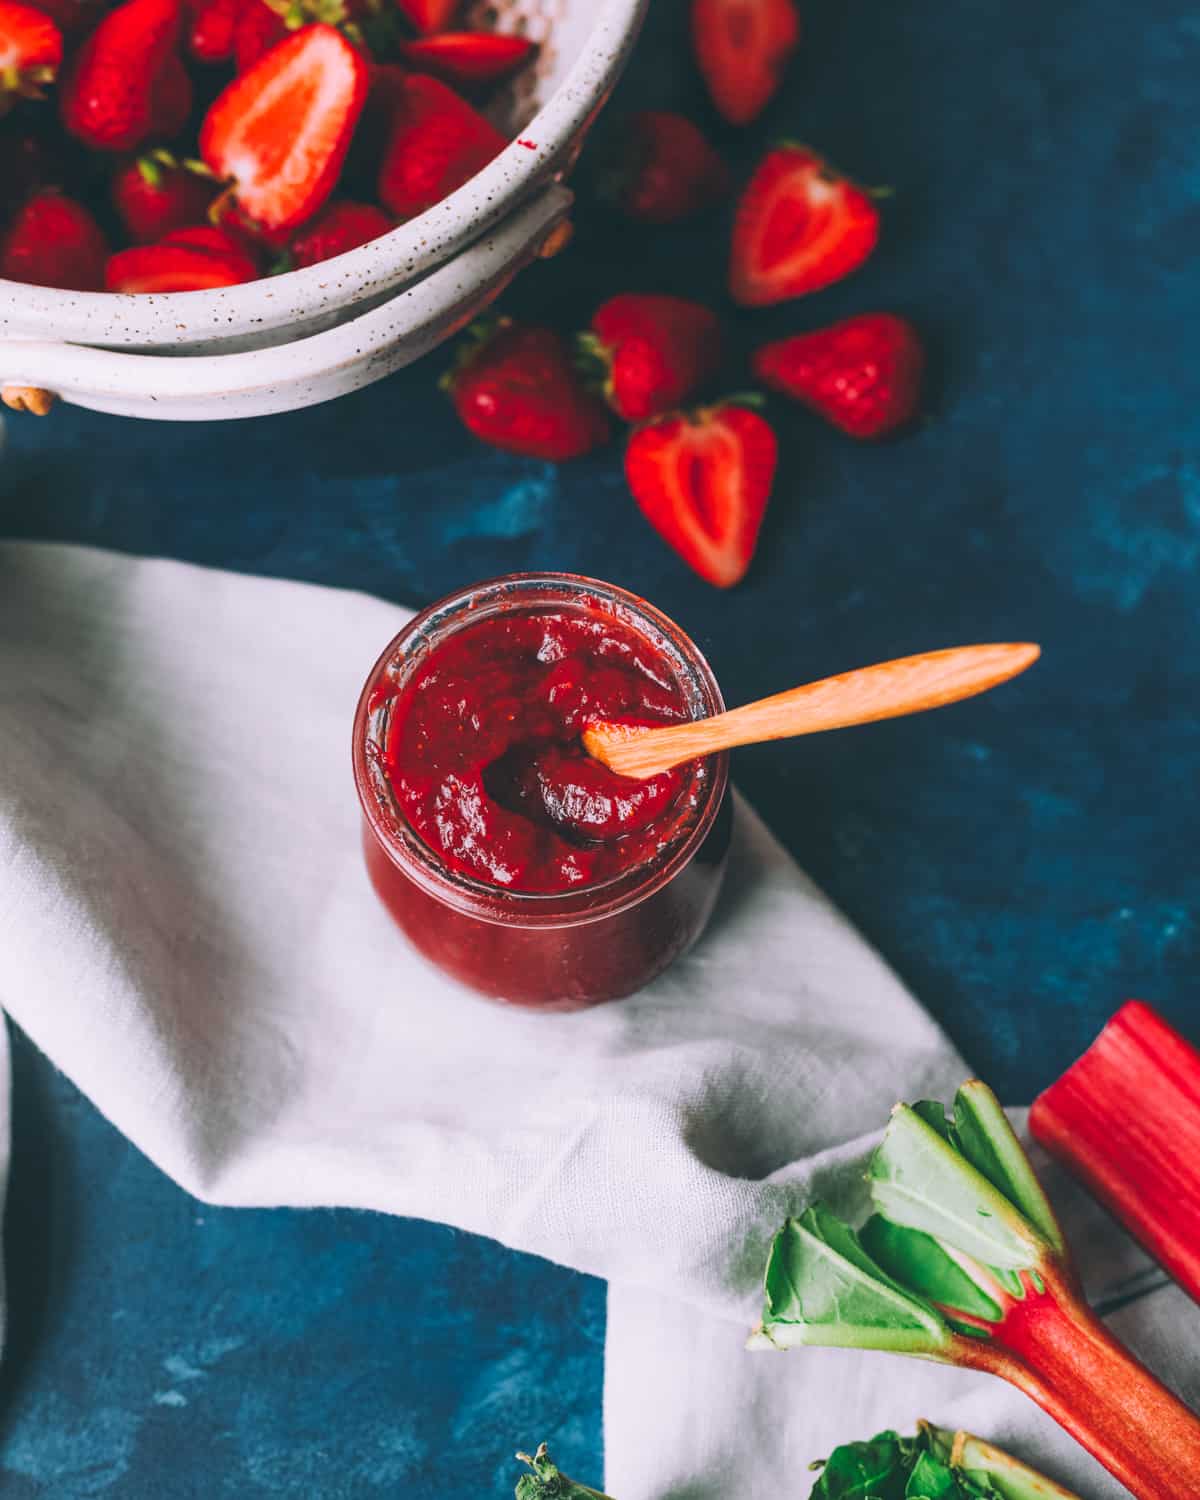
889	690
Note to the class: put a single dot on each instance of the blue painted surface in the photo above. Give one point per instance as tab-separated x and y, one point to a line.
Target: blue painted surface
1026	861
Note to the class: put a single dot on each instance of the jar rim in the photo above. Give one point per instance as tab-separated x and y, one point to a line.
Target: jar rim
421	863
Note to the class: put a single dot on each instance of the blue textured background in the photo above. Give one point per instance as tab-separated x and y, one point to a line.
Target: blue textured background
1025	861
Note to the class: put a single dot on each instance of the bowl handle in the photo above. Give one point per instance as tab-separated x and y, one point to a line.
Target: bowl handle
301	373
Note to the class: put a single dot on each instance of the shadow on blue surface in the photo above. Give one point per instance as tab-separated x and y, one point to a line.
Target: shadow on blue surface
1026	861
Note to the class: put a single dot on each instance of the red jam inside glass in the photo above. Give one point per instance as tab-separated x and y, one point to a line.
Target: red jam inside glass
485	758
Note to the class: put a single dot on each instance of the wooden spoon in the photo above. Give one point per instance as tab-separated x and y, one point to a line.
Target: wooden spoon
886	691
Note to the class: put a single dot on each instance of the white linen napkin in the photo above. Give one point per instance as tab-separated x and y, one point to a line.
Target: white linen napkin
187	930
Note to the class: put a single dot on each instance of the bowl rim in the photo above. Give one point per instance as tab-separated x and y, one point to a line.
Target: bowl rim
392	261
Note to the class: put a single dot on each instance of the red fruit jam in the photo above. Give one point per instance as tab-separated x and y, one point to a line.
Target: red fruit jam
511	858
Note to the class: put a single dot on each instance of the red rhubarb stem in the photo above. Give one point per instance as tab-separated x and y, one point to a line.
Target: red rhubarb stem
1126	1119
1054	1348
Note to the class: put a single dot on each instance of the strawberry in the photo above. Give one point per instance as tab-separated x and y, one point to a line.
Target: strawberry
742	48
428	15
340	226
703	480
655	352
863	375
468	59
68	15
171	101
54	241
257	29
437	141
800	226
187	260
155	194
110	97
280	130
218	240
211	28
662	169
31	48
515	387
27	163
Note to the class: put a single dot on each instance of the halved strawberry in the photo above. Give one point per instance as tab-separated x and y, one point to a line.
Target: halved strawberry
280	131
662	169
54	241
656	351
468	59
800	226
110	97
429	15
155	194
863	374
742	48
187	260
31	48
703	480
211	29
437	141
340	226
516	388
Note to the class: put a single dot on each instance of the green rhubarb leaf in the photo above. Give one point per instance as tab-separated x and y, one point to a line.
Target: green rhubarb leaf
933	1112
546	1482
933	1480
874	1470
990	1144
920	1181
822	1288
920	1263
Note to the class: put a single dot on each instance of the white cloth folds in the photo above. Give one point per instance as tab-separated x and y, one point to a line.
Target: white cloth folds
186	929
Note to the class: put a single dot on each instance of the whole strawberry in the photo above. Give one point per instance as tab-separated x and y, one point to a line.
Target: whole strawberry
863	375
655	352
154	194
340	226
515	387
468	60
256	29
31	48
662	169
800	226
428	15
110	98
702	480
436	142
54	241
211	29
742	48
199	258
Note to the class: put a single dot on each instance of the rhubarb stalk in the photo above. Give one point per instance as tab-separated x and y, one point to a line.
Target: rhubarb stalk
1126	1119
964	1262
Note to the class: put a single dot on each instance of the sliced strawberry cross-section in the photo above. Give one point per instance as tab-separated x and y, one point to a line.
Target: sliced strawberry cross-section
742	48
703	480
280	131
800	226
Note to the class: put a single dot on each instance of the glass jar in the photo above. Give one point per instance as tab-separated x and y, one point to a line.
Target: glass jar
566	949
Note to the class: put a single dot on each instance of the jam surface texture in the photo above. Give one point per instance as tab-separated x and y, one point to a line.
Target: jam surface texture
485	758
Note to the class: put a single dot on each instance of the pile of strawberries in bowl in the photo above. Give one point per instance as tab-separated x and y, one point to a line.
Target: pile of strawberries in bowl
182	145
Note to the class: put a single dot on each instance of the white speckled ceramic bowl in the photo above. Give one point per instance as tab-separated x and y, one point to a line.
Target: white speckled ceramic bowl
304	337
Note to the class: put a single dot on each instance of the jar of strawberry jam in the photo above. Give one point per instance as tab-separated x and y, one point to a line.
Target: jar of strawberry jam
509	857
